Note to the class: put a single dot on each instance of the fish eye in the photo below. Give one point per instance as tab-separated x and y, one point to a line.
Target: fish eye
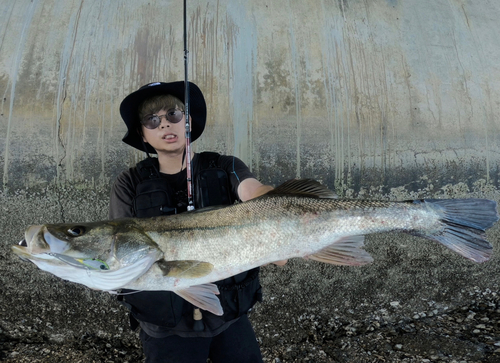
76	231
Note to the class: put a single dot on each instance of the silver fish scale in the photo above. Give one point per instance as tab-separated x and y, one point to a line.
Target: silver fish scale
269	229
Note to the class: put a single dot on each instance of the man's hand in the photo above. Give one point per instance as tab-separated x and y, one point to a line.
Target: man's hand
252	188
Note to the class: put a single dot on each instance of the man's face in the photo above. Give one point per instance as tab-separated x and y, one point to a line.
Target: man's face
168	137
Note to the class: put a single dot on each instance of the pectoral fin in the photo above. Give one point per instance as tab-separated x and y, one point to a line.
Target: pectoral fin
203	296
185	269
347	251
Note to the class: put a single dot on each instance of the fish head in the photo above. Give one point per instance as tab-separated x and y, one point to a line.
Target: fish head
112	253
78	241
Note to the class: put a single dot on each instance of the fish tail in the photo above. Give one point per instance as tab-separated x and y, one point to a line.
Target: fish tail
465	222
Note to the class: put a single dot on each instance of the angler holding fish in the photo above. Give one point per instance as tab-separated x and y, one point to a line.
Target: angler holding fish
170	326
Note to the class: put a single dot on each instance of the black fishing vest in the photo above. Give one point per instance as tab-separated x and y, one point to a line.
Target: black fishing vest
154	197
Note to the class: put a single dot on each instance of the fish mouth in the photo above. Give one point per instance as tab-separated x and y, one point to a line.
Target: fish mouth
24	254
54	255
37	242
21	250
24	248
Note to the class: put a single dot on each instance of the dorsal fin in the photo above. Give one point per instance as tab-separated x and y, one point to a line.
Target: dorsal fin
305	188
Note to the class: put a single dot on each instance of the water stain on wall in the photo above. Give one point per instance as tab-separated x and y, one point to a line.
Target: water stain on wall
346	91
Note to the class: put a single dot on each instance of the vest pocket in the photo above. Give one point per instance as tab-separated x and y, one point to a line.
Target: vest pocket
162	308
154	202
237	299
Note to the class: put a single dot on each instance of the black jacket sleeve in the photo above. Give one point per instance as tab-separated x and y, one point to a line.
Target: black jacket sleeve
121	203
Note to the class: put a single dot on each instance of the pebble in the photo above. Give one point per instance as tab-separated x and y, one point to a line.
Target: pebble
325	338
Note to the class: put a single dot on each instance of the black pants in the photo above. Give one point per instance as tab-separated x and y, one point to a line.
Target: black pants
235	344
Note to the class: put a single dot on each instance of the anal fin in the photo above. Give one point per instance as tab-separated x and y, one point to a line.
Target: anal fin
347	251
203	296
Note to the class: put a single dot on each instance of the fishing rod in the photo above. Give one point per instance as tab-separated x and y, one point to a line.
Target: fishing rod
197	315
189	170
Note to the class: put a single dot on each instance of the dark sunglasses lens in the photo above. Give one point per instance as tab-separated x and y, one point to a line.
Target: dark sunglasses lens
175	116
151	121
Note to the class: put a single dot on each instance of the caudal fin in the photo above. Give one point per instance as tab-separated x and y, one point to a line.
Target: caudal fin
465	221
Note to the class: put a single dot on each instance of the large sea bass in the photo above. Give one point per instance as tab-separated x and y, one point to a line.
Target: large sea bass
184	253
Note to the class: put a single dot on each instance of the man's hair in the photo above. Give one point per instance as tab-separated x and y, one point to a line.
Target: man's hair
161	102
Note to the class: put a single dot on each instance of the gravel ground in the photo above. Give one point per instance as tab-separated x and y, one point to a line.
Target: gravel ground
463	335
417	302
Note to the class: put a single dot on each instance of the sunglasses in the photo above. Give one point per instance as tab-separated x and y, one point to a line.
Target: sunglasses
153	121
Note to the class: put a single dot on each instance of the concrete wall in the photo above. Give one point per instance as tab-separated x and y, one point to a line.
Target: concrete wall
382	98
360	93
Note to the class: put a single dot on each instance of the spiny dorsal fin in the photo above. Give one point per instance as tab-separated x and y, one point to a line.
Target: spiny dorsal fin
186	269
347	251
304	187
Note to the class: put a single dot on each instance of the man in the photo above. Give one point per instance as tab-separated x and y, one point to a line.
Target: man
172	330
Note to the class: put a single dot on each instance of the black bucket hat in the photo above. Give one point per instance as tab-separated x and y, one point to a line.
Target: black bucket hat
129	109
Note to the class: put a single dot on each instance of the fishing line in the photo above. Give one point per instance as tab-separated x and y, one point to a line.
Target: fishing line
114	292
